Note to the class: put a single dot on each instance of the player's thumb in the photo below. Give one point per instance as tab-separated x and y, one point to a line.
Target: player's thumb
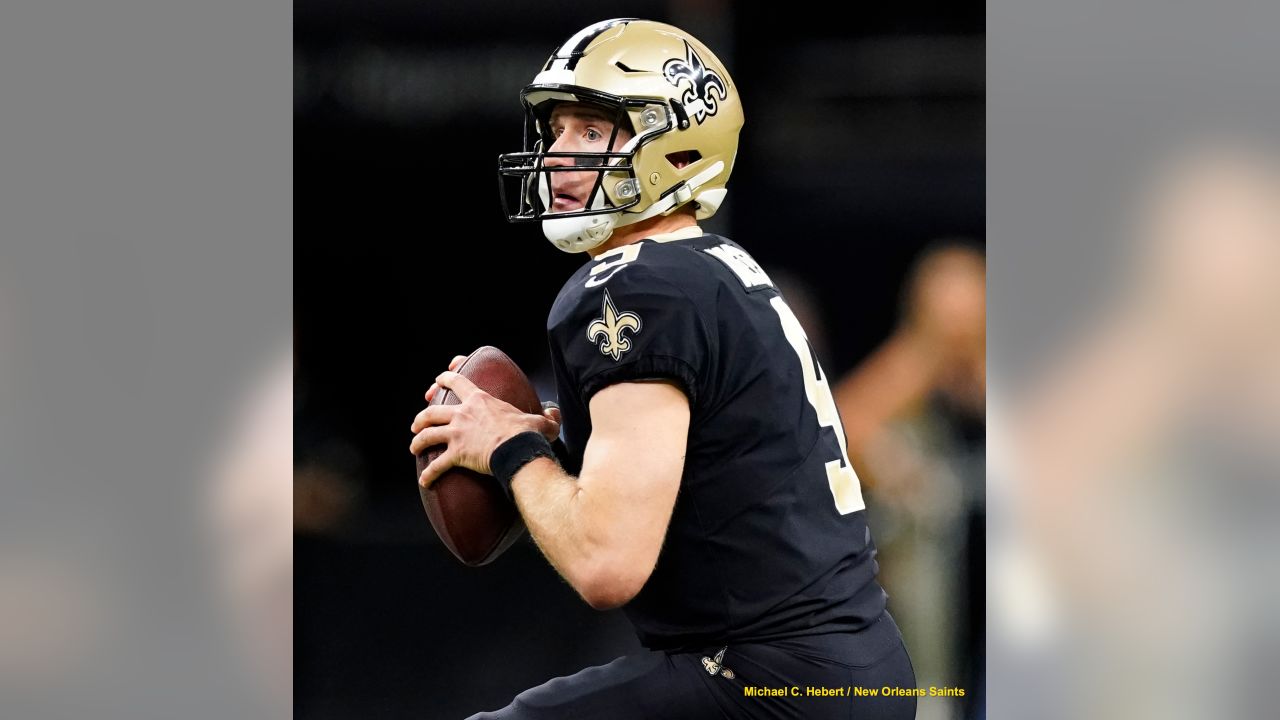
551	412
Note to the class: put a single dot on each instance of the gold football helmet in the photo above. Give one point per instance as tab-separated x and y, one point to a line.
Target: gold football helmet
654	80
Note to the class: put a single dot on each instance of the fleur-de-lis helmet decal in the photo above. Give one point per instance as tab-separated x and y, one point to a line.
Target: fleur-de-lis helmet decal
703	82
609	331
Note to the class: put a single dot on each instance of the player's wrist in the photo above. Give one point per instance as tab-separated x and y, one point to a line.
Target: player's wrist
516	452
562	452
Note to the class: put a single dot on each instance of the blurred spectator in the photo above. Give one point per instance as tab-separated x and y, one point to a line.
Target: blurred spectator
914	415
251	508
328	470
1146	464
325	487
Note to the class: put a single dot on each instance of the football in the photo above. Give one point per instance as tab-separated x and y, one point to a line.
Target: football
468	510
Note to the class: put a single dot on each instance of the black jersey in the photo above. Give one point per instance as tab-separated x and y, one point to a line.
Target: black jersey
768	537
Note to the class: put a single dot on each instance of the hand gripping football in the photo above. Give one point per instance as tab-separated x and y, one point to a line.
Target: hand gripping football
468	510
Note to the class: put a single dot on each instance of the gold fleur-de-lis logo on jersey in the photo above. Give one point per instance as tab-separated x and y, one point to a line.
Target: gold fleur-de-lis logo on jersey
608	331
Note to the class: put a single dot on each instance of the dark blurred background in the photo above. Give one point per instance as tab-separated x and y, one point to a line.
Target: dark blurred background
860	187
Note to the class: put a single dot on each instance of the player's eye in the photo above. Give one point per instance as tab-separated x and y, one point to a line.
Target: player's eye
593	135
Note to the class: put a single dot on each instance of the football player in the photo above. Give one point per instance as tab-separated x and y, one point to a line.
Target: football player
702	484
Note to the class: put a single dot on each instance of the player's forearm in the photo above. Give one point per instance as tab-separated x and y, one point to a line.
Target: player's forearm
569	524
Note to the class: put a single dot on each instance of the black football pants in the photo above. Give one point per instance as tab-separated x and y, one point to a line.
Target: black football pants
816	676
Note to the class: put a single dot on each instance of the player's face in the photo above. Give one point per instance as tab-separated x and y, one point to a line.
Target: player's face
578	128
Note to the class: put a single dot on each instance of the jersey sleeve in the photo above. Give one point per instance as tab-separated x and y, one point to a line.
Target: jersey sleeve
638	325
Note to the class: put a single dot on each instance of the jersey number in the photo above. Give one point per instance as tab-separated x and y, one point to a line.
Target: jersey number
840	475
611	263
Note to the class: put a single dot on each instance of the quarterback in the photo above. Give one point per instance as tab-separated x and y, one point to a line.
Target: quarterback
701	483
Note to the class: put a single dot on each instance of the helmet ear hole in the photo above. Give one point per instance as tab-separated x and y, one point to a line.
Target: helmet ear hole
683	157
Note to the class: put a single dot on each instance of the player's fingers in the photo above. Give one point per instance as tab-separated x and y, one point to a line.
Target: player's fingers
433	415
434	435
461	386
435	469
549	428
453	365
551	410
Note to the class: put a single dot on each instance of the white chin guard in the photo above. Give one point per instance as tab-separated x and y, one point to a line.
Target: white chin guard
576	233
581	233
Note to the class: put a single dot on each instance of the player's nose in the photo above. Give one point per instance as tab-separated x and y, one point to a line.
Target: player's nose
562	144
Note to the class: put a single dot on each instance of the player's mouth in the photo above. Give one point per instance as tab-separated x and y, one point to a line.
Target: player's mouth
564	202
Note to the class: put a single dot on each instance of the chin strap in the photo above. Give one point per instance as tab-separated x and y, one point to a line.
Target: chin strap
683	194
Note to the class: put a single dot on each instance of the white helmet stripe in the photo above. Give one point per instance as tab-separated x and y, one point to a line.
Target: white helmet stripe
573	48
557	75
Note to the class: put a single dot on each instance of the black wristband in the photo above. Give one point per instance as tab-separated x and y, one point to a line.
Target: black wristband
515	453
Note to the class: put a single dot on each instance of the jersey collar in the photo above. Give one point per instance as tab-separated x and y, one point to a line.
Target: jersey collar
684	233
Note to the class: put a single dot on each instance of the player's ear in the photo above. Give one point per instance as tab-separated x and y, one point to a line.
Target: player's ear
679	159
